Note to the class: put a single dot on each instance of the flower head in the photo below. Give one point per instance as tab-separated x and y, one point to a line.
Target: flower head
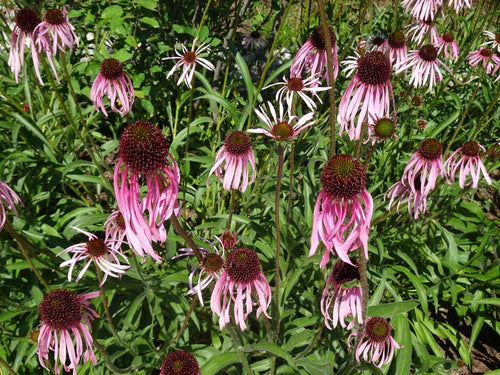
493	42
188	60
114	82
383	128
144	156
416	201
376	42
343	209
367	97
447	44
467	161
424	66
417	31
280	124
66	320
10	199
26	21
422	9
377	345
341	299
180	362
242	277
459	4
101	252
396	43
487	58
311	57
115	229
231	162
253	40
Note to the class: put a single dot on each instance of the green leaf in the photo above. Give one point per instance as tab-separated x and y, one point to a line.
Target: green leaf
403	338
150	21
243	68
148	106
388	310
122	55
112	11
149	4
219	361
315	367
486	301
275	350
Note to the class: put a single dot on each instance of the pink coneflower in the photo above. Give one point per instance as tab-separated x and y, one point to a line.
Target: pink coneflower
115	229
374	43
425	66
102	253
396	44
114	82
311	57
416	201
231	162
486	57
253	40
343	209
458	5
382	129
54	34
368	95
296	86
144	156
376	345
188	60
208	270
242	277
228	239
494	41
340	300
10	199
424	167
180	362
65	314
26	22
280	125
417	31
422	9
447	44
467	160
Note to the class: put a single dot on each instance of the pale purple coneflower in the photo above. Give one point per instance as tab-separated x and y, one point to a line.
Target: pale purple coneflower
396	45
114	82
368	95
241	279
341	298
54	34
10	199
66	329
448	46
494	41
311	57
232	160
376	344
208	270
458	5
343	209
282	126
424	66
26	21
306	89
422	9
426	164
376	42
104	254
180	362
253	40
188	60
486	57
416	201
382	129
467	161
115	229
144	157
418	30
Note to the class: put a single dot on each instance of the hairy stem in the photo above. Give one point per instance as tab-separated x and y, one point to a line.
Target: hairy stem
110	363
6	365
185	323
363	274
181	232
238	346
232	202
291	160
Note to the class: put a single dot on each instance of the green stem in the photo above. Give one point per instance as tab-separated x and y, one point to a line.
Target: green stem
109	363
6	365
202	20
291	160
232	202
185	323
180	231
238	346
363	274
486	113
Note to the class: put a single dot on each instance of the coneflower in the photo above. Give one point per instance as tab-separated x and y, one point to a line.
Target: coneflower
467	161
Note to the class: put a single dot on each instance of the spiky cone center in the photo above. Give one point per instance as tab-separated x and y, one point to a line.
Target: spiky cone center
213	262
60	309
430	149
55	17
228	239
448	37
421	124
397	39
374	68
344	272
189	57
486	52
378	40
180	362
237	142
416	100
470	148
96	248
143	148
282	131
384	128
428	52
243	265
255	35
295	84
318	38
120	222
27	19
377	329
343	177
111	69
